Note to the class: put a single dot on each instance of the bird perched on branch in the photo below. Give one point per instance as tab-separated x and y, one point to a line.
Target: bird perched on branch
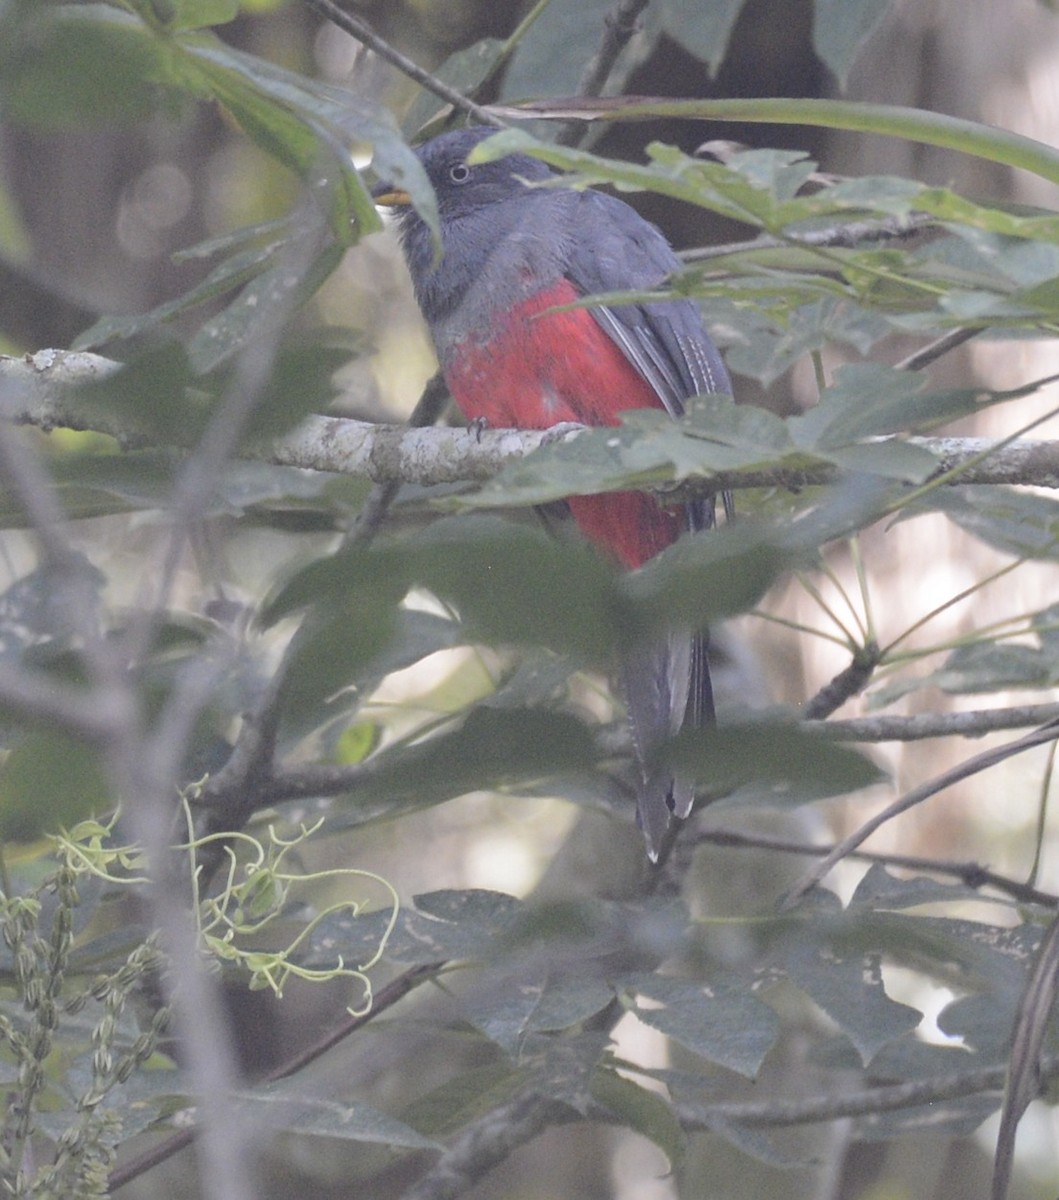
511	253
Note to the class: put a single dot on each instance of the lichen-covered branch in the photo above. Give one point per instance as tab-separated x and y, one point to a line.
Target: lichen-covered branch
41	391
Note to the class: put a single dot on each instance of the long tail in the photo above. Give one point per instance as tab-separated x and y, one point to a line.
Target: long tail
667	688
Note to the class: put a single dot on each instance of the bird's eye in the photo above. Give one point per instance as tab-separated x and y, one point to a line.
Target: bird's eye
460	173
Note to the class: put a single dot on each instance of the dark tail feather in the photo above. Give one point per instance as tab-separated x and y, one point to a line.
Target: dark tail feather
667	687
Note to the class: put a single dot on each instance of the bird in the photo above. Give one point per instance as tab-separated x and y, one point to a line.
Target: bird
512	252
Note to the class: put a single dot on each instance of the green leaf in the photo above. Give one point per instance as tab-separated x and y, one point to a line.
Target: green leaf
492	749
80	66
413	636
356	742
1023	524
552	55
294	122
196	14
840	29
301	381
546	1001
511	584
892	459
701	28
879	889
445	926
725	1025
709	576
644	1111
465	70
912	124
648	449
847	984
992	667
246	264
335	646
271	297
871	400
772	763
280	1106
151	395
468	1096
49	781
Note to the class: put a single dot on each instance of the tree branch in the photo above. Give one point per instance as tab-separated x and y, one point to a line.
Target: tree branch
934	725
45	397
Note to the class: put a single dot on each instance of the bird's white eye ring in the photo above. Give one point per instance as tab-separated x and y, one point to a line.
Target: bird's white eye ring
460	173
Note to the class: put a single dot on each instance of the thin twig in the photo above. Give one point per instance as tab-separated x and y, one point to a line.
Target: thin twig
928	354
973	766
364	33
970	874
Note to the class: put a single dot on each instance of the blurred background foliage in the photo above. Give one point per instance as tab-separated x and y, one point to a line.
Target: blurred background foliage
153	163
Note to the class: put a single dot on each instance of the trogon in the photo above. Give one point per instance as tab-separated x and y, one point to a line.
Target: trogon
511	254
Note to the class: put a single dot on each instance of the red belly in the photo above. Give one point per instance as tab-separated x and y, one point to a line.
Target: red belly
536	371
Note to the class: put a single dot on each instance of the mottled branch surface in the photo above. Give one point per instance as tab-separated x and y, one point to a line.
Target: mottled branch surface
41	390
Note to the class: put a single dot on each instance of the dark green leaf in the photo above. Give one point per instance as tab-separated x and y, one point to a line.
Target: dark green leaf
152	396
510	583
890	459
268	300
642	1110
278	111
992	667
546	1002
444	926
1024	524
647	450
702	29
80	66
771	763
491	749
879	889
246	264
869	400
841	27
725	1025
301	381
472	1094
336	645
847	984
465	70
282	1107
551	57
49	781
704	578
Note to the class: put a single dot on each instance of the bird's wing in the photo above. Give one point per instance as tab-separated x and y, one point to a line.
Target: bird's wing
666	341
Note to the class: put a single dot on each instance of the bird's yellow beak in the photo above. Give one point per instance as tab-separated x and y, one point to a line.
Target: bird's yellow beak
392	198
